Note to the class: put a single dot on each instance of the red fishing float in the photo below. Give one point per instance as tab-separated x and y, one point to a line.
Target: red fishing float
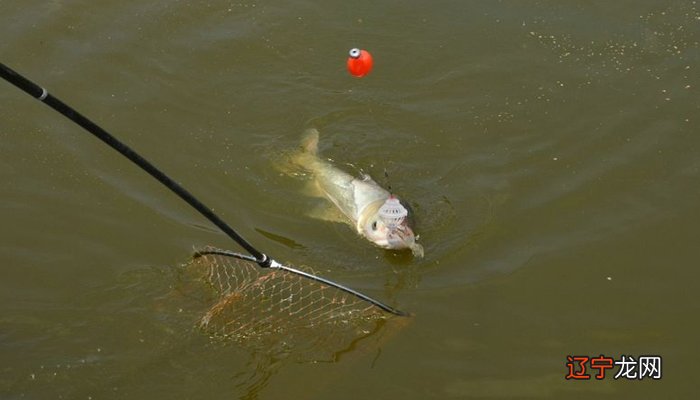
359	62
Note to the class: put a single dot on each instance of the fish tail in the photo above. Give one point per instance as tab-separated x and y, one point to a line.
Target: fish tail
306	157
309	141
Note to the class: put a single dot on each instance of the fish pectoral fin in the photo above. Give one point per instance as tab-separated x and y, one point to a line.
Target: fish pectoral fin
311	189
326	212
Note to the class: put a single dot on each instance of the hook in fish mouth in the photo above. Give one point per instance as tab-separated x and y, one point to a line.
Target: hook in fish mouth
399	234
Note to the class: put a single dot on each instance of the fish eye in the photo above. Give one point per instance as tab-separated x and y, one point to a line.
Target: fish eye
374	225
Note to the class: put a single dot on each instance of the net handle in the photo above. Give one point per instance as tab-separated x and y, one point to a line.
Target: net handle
43	95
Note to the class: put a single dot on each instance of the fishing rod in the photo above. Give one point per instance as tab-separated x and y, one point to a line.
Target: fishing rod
258	257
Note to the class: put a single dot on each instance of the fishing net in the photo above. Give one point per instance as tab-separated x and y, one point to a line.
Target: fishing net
280	311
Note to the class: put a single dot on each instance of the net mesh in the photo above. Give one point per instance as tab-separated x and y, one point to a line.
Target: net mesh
275	309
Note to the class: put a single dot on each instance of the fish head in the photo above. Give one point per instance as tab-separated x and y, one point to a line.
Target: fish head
389	228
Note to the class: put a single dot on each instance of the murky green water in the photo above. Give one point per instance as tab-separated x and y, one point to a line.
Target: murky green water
549	149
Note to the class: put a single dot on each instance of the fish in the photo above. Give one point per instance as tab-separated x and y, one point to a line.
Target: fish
375	213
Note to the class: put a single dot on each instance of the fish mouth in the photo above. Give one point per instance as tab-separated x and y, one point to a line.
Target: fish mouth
403	238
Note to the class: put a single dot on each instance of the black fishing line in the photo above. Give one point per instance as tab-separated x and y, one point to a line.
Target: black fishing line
386	180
